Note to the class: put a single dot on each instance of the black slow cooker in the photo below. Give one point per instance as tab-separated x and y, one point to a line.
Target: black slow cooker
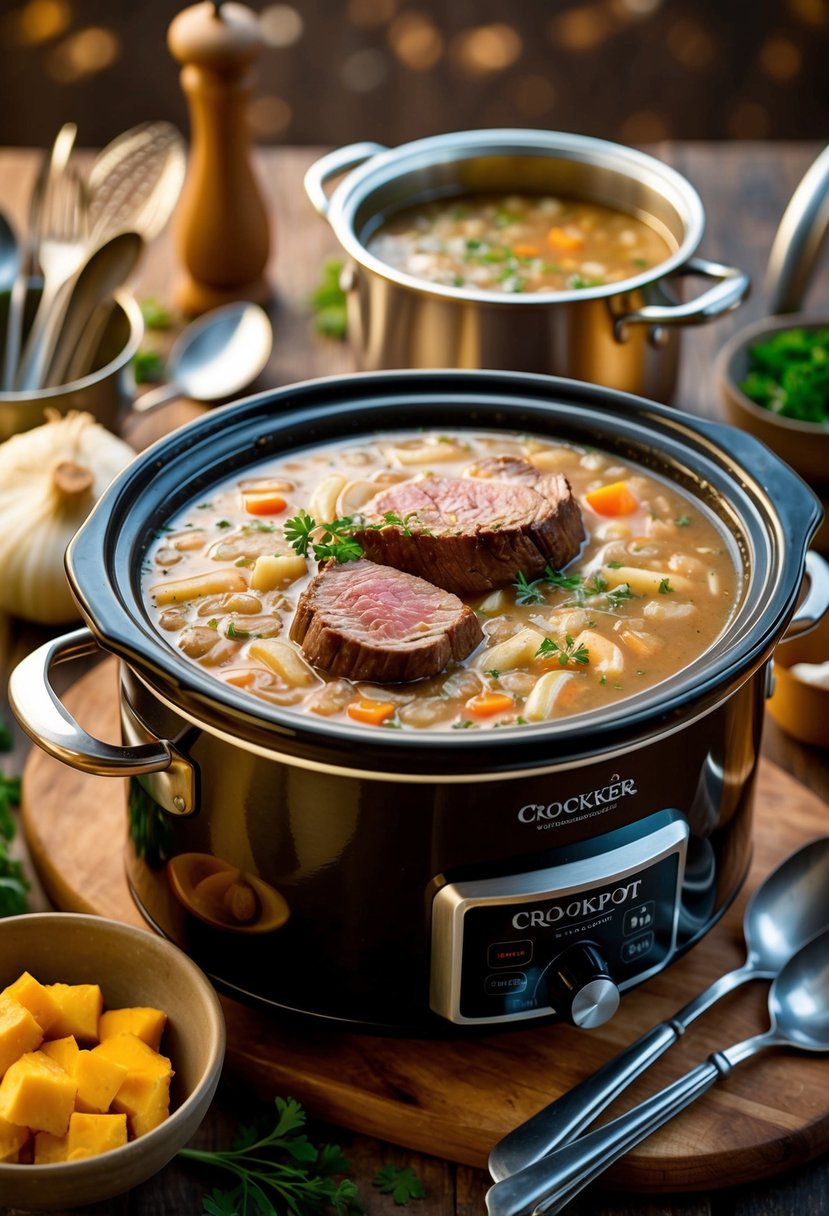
426	880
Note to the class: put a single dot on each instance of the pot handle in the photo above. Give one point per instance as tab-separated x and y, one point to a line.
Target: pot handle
799	238
44	717
811	611
727	293
332	165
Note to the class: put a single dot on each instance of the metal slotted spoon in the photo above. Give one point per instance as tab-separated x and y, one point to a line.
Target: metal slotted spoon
135	182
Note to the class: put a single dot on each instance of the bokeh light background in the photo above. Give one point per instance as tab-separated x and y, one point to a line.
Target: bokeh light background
392	70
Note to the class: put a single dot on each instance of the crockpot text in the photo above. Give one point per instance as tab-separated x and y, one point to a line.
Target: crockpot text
576	909
592	800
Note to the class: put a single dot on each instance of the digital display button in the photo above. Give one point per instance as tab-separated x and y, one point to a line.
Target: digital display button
505	984
636	947
510	954
639	918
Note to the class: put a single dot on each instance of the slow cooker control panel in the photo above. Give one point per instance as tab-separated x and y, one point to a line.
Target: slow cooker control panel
561	940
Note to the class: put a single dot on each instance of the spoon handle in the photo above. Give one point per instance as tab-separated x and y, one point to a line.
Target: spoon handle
14	330
564	1119
155	397
554	1180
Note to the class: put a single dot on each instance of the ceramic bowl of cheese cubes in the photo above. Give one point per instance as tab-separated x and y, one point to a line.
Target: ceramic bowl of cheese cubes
111	1047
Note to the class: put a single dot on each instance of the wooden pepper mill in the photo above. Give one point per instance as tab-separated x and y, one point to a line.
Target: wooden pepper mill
221	224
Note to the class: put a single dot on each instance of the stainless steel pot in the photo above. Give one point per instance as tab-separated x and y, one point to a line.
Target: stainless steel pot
433	877
623	335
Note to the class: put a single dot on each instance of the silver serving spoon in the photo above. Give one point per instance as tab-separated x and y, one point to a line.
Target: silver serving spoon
799	1016
787	909
215	357
104	271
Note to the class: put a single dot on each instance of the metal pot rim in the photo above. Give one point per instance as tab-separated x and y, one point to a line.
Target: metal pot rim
467	145
774	510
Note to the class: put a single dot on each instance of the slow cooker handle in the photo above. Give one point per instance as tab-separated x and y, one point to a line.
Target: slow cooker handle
44	717
332	165
815	604
727	293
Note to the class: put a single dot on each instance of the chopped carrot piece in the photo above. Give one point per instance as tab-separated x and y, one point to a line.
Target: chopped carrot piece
616	498
372	712
263	502
242	679
485	704
525	251
560	239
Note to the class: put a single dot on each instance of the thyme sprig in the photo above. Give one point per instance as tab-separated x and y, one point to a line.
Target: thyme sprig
581	589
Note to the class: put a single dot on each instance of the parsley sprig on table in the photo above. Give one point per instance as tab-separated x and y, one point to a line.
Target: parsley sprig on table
401	1182
280	1167
281	1172
13	884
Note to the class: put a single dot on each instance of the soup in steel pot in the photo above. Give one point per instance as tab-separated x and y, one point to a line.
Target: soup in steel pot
458	581
518	243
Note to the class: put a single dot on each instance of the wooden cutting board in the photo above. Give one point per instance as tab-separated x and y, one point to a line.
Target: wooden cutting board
454	1098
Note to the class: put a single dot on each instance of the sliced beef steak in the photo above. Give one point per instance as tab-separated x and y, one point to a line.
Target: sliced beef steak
471	534
370	622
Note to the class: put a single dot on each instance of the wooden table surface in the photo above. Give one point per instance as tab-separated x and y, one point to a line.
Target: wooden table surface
745	188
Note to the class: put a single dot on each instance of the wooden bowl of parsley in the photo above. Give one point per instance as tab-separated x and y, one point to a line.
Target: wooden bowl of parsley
774	381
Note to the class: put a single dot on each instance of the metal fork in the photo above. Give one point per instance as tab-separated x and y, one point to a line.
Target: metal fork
63	245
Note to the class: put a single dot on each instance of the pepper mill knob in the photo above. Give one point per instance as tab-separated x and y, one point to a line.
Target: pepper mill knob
221	224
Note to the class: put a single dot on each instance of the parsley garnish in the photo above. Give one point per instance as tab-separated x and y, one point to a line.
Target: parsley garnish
665	587
328	302
281	1168
13	884
401	1182
223	523
335	539
464	724
493	673
683	521
234	633
565	654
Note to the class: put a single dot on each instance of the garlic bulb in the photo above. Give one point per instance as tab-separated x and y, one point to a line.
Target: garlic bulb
50	478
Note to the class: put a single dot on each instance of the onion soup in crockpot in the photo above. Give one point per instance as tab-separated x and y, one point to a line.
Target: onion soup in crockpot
460	581
518	243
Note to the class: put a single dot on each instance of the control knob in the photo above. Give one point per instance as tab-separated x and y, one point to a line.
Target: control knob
580	988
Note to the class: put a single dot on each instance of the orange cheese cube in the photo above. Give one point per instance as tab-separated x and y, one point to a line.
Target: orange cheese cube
92	1134
63	1051
12	1139
49	1148
134	1055
79	1010
19	1032
37	1093
145	1100
36	998
144	1096
98	1081
142	1021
